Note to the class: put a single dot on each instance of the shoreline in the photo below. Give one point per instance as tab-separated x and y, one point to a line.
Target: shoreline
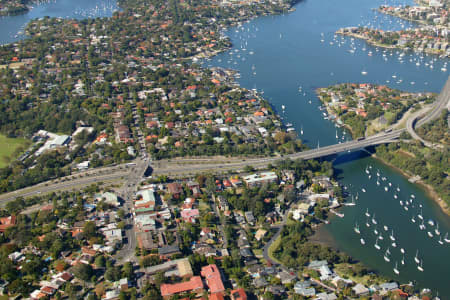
428	188
374	43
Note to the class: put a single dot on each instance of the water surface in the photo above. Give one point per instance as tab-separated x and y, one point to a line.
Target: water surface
12	27
288	57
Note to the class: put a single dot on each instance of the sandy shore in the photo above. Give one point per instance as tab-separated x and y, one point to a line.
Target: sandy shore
429	189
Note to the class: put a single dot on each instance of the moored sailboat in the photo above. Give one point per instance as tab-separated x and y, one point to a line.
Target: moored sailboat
386	256
392	235
446	239
376	244
396	269
420	267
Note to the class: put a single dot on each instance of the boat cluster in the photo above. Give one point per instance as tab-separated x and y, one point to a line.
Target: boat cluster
387	234
240	51
423	60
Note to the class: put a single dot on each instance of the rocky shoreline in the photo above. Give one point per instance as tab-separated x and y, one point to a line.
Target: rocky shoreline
428	188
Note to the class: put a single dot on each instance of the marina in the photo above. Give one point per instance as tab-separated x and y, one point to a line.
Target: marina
303	63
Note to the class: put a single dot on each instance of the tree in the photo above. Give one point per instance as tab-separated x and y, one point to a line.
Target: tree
100	261
121	213
89	229
83	271
127	270
112	274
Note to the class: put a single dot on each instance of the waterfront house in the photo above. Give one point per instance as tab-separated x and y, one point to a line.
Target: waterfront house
360	290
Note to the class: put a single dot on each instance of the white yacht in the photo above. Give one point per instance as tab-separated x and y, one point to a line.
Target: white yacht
420	267
392	235
436	230
416	258
386	256
396	269
376	244
446	239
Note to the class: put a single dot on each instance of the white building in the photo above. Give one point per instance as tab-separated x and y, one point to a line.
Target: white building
261	178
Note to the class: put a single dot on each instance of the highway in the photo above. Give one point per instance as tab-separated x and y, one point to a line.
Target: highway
66	184
193	166
425	115
179	167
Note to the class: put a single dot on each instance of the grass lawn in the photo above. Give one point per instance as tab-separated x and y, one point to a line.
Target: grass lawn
344	270
272	248
8	146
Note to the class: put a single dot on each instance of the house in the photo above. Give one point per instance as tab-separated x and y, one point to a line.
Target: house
388	286
360	290
195	188
7	222
260	233
238	294
123	284
168	251
325	296
216	296
316	264
194	285
306	292
16	256
145	222
178	267
260	179
123	134
222	203
250	218
145	240
189	215
175	189
325	273
113	235
213	278
109	198
110	295
286	277
146	199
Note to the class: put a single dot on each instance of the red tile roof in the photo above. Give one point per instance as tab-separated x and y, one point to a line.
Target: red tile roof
238	294
195	283
216	296
7	222
213	278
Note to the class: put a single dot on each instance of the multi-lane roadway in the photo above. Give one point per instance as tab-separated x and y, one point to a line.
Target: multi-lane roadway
193	166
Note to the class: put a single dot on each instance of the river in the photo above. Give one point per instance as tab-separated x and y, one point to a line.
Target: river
12	27
280	54
287	53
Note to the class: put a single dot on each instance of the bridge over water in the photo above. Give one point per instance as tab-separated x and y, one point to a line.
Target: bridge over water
417	119
192	166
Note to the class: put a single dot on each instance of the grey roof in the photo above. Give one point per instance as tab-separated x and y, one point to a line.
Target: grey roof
389	286
168	250
316	264
305	292
302	284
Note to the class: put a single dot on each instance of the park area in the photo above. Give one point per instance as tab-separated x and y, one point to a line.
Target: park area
10	149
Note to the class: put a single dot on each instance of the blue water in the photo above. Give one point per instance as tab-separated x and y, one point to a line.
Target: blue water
12	27
287	53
